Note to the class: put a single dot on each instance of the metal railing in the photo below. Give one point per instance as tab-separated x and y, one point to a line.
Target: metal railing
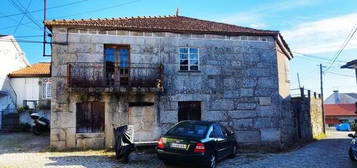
102	74
37	104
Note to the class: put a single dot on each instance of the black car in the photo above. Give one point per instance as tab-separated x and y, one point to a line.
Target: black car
197	142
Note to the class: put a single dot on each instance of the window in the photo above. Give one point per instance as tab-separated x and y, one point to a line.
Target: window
189	110
46	90
216	132
117	59
189	59
90	117
189	129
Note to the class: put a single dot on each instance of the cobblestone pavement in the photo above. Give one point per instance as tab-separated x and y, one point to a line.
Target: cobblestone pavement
327	153
24	150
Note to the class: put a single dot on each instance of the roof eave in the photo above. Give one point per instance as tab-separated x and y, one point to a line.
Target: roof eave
350	65
29	75
284	46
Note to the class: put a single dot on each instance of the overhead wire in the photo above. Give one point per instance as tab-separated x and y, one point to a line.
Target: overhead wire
100	9
345	43
21	8
49	8
315	57
17	26
339	74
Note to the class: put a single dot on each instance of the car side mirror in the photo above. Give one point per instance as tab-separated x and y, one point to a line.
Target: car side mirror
351	135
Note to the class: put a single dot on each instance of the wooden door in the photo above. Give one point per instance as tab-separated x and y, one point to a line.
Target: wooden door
90	117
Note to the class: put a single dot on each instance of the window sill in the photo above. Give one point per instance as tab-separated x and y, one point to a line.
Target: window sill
90	135
189	71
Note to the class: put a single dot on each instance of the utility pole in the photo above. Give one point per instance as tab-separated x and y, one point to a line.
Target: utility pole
322	100
298	78
44	29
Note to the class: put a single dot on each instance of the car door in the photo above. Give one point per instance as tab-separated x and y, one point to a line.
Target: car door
219	141
228	141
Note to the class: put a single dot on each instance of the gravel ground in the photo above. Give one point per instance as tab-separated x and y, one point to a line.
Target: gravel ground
22	150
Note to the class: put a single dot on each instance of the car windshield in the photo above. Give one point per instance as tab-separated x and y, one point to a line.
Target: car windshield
189	130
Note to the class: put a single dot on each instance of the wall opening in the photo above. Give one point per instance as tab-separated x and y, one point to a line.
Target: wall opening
132	104
90	117
189	110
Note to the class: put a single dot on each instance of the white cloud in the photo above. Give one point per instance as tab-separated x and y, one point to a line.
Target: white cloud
243	19
255	17
326	35
258	25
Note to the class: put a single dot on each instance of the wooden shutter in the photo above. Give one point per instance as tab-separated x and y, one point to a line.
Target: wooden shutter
97	110
90	117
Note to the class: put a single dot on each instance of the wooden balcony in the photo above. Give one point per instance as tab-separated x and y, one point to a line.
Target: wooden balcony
112	77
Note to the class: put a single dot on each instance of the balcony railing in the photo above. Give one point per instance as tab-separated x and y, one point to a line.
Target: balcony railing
106	75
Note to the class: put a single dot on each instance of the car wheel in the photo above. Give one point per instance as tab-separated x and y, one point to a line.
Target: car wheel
211	161
350	153
234	151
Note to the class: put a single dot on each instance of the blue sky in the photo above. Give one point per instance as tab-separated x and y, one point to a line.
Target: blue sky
313	27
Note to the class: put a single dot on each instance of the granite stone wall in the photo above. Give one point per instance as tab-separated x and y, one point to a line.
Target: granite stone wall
307	112
237	84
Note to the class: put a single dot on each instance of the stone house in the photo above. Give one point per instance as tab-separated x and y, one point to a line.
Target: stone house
151	72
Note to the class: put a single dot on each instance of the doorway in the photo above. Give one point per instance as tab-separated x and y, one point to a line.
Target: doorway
116	62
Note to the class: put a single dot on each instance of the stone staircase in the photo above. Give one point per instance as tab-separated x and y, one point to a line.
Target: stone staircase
9	120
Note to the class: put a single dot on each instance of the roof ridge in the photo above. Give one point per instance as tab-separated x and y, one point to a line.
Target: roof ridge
115	18
227	24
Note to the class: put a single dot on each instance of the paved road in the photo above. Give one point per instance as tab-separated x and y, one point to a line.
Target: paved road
327	153
17	152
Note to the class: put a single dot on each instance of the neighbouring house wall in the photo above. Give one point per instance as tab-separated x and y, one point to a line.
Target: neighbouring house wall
11	58
26	89
288	132
237	83
29	89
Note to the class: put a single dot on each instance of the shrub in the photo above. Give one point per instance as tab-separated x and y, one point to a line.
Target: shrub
354	126
22	109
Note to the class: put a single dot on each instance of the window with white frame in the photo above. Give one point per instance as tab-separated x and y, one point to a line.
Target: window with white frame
189	59
46	90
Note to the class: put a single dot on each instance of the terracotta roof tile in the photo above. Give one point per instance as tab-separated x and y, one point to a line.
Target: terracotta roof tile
177	24
41	69
340	109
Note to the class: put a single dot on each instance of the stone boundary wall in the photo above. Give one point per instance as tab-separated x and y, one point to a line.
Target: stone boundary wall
308	116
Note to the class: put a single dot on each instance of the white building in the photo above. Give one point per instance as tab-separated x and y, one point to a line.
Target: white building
11	58
32	86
